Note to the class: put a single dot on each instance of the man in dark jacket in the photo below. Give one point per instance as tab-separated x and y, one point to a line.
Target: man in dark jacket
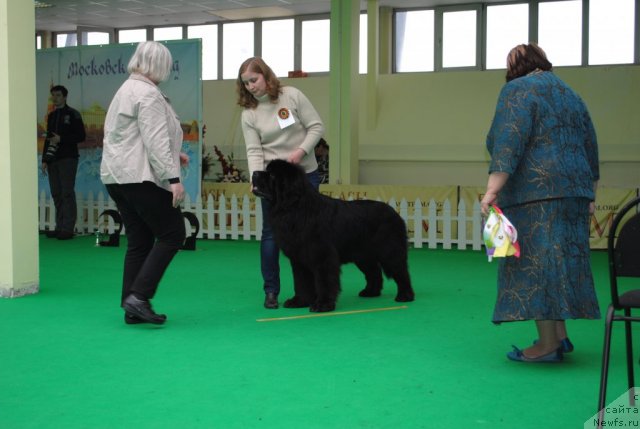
65	130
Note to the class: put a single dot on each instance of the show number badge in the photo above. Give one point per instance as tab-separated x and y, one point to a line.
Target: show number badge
285	118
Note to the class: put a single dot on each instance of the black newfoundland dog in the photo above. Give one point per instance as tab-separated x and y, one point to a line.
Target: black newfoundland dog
319	234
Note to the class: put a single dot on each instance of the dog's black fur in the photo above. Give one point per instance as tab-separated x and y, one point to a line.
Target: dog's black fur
319	234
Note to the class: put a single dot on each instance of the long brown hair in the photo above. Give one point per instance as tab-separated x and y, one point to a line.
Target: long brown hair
523	59
257	65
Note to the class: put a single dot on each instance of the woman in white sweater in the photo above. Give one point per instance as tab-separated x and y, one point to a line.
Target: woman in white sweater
141	169
278	122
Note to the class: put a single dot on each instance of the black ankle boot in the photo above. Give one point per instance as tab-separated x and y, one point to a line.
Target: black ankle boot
142	310
271	300
131	319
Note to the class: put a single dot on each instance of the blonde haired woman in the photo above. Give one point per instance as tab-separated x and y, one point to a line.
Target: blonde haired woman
141	170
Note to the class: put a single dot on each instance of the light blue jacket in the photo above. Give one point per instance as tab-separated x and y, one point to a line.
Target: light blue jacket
543	137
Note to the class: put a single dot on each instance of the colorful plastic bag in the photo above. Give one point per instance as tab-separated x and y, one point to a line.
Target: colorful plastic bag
499	235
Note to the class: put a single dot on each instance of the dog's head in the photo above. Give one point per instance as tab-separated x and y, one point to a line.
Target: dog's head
280	180
260	181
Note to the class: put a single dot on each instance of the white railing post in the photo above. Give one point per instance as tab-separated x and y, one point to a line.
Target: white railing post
222	217
462	226
432	224
246	223
211	226
199	213
258	219
246	217
417	224
234	217
447	219
477	226
52	214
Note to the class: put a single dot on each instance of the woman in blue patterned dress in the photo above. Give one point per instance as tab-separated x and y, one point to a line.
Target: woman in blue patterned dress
543	175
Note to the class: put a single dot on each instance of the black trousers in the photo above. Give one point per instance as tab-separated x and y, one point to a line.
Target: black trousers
155	232
62	182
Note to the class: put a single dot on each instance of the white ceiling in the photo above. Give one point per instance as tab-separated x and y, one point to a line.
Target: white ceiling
67	15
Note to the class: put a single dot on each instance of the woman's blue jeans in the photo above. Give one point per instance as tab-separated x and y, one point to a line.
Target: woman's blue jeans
269	251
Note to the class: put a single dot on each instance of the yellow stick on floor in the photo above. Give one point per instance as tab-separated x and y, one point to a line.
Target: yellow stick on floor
332	313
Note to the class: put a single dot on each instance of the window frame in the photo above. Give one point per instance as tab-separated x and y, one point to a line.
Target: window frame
585	28
54	38
148	35
257	38
218	46
82	34
183	29
586	12
297	33
531	32
258	33
394	56
480	36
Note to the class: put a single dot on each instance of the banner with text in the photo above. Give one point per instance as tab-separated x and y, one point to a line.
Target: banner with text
93	74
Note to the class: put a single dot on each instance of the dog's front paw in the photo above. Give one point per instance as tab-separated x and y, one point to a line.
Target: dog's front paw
322	307
405	297
369	293
295	302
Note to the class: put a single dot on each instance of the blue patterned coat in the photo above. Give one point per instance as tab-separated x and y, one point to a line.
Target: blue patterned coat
542	135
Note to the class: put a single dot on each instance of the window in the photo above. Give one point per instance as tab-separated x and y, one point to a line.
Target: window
507	27
277	45
135	35
315	45
209	36
66	39
237	46
95	38
560	31
38	41
167	33
364	42
459	31
611	31
414	41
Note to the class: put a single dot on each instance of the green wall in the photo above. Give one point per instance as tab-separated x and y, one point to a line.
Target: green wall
430	127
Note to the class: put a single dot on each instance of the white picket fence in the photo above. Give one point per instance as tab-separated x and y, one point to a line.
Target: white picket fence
244	219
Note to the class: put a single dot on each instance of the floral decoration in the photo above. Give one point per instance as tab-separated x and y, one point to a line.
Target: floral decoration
230	173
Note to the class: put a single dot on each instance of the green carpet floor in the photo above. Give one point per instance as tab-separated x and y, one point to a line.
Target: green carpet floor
67	360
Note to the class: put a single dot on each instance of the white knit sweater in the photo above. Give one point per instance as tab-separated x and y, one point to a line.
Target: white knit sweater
266	140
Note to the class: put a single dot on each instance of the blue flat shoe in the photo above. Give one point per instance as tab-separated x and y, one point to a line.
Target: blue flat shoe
565	344
553	357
